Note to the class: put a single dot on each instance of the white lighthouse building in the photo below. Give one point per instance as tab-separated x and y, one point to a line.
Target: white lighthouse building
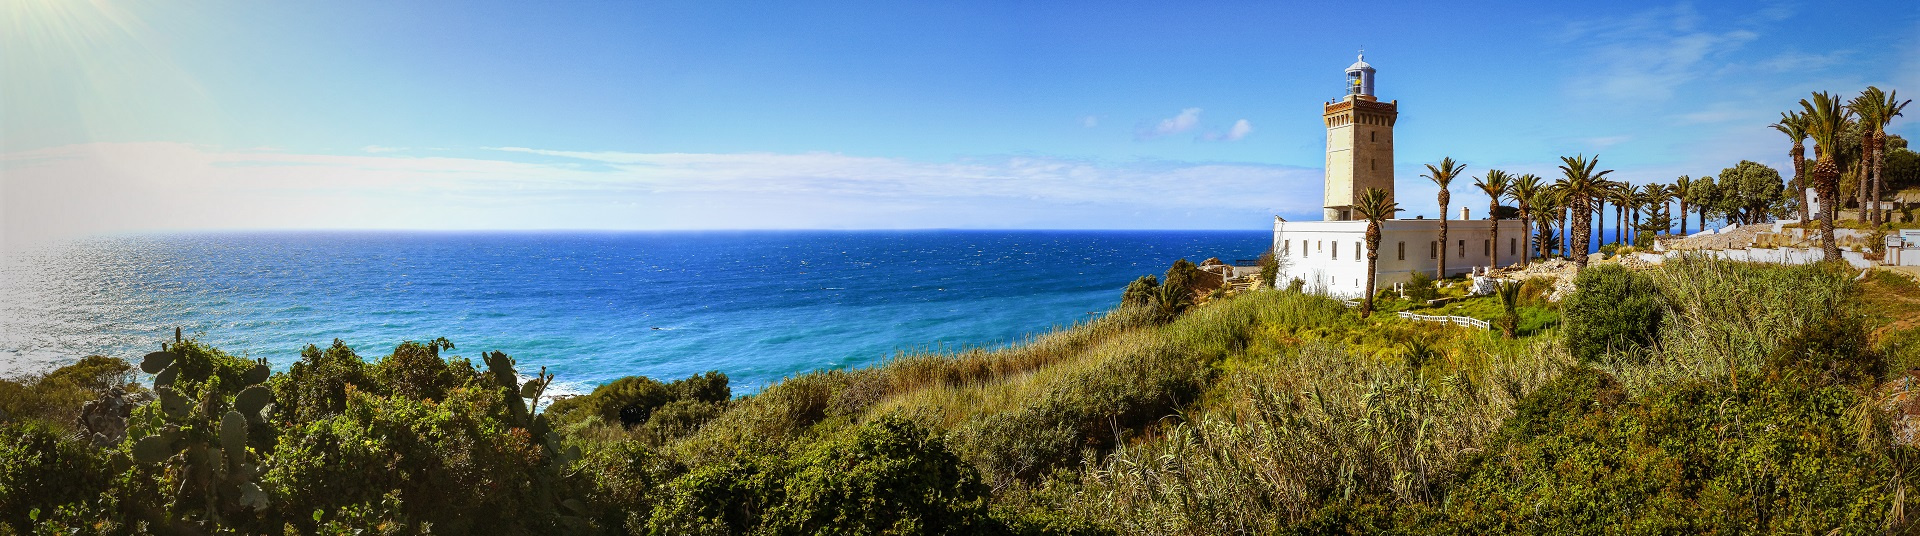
1331	255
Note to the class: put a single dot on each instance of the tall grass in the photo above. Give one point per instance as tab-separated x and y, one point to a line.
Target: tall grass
1726	317
1324	426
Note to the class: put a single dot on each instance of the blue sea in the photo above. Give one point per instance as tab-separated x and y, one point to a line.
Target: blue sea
589	306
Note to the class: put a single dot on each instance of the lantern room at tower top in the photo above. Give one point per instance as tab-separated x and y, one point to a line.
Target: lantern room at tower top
1360	78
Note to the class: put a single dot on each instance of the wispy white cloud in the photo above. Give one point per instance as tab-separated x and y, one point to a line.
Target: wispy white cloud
1185	121
94	188
1090	121
377	149
1602	142
1796	61
1650	55
1239	130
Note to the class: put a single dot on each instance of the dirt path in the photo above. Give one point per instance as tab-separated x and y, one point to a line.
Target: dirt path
1899	301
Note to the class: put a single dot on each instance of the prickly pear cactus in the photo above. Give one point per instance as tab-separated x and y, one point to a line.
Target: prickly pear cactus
570	512
207	439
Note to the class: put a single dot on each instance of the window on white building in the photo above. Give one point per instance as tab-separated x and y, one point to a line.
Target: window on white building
1513	246
1433	250
1486	247
1336	252
1356	251
1463	249
1403	251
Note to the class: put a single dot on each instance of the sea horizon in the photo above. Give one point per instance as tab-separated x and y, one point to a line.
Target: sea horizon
592	305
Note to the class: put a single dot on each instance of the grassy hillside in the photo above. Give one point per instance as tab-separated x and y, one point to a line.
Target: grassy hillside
1706	397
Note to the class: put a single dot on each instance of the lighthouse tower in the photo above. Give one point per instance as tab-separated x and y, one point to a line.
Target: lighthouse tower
1359	143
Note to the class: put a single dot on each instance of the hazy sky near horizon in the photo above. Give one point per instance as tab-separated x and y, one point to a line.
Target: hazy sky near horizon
122	116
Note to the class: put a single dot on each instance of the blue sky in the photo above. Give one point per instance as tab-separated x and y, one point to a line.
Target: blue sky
708	115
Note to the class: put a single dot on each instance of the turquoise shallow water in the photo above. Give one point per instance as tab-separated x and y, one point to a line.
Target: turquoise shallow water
591	307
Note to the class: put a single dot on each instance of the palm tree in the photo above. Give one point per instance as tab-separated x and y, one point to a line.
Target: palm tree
1622	195
1495	185
1600	212
1795	127
1826	119
1375	206
1876	109
1581	185
1562	218
1684	184
1548	203
1523	191
1442	176
1509	293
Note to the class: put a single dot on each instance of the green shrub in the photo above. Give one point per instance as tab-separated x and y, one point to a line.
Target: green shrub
316	386
679	418
1269	269
890	477
55	398
416	371
448	462
626	483
730	496
1612	310
94	373
1140	292
710	386
42	469
1420	288
1832	350
1182	274
1762	456
632	401
629	401
1083	410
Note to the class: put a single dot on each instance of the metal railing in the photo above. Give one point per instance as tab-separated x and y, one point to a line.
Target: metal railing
1454	320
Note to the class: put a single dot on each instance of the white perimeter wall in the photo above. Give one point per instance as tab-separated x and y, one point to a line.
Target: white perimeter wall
1322	253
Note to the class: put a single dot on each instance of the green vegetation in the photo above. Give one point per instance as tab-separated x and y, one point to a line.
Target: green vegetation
1703	396
1748	192
1615	312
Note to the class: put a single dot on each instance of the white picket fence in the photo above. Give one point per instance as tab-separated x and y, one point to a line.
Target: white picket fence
1454	320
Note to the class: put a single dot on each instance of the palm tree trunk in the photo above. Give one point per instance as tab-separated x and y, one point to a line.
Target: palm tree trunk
1566	231
1683	217
1441	271
1493	248
1799	177
1526	239
1877	166
1619	221
1600	216
1373	254
1582	230
1860	190
1825	175
1633	232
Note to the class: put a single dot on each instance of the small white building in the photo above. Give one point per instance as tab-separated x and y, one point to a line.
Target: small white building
1330	256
